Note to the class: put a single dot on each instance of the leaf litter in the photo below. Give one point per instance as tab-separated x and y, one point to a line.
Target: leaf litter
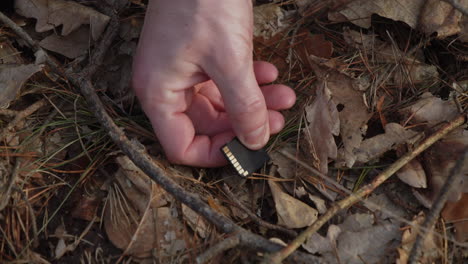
364	100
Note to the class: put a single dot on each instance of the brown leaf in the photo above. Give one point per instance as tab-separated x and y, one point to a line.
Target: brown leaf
376	146
323	124
306	44
137	213
430	109
413	174
409	69
430	250
357	240
69	14
457	213
196	222
12	78
441	157
347	94
430	16
75	44
291	212
269	20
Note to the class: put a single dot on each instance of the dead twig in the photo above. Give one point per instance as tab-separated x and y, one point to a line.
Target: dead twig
452	180
22	115
136	151
365	190
254	217
458	5
227	243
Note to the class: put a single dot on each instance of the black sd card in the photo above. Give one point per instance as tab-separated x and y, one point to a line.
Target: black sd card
244	160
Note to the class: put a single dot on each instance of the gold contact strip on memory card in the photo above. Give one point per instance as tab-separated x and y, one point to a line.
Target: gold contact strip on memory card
234	162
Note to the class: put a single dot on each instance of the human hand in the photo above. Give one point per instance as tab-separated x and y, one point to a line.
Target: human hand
196	80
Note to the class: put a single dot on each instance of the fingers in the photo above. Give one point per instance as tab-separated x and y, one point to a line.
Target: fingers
265	72
278	96
208	121
244	102
177	136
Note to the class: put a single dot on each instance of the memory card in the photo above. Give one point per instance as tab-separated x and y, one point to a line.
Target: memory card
244	160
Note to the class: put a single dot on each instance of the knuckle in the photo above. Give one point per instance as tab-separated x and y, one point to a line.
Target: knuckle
248	107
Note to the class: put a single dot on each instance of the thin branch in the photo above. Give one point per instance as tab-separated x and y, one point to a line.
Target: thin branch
365	190
227	243
453	180
137	153
254	217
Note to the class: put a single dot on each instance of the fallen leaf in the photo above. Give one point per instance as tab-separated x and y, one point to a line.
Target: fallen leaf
12	78
413	174
407	69
429	250
87	208
69	14
306	44
347	94
72	46
357	240
442	155
376	146
195	221
457	213
319	203
269	20
319	244
291	212
431	110
137	212
430	16
323	125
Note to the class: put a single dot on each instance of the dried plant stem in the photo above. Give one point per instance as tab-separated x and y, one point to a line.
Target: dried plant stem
22	115
136	151
453	179
225	244
254	217
365	190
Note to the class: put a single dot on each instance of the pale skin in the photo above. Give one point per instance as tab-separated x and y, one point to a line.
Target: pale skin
197	82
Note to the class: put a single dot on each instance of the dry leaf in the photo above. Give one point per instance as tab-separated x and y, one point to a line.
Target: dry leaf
409	69
430	109
291	212
357	240
413	174
306	44
137	211
196	222
319	203
69	14
319	244
457	213
347	94
323	124
72	46
440	157
429	249
430	16
269	20
12	78
374	147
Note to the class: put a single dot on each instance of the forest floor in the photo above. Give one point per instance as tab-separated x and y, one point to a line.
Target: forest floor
382	90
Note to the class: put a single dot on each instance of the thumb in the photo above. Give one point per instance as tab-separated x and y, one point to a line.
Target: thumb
244	103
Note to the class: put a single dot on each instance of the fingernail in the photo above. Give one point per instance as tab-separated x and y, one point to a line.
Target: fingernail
257	138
